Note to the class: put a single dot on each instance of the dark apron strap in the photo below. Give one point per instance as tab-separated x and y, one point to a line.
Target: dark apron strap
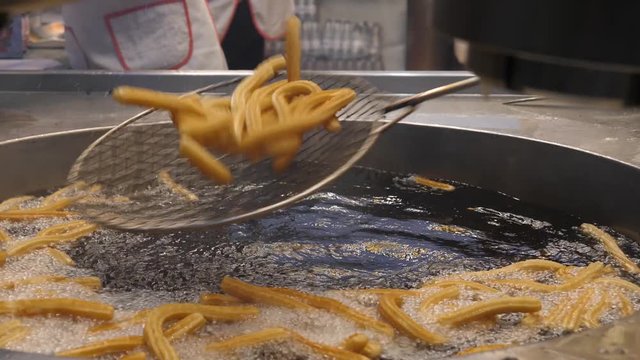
243	46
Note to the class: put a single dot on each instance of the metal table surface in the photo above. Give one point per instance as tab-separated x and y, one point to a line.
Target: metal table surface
36	103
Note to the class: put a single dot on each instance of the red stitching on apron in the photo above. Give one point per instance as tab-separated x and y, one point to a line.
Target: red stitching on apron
233	13
213	21
115	14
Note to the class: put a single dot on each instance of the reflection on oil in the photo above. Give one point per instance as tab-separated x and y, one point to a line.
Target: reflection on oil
370	229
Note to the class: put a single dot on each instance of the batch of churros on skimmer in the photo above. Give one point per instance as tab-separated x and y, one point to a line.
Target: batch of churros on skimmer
259	120
268	121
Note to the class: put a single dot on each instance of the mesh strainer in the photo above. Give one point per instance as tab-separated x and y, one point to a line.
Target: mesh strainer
127	159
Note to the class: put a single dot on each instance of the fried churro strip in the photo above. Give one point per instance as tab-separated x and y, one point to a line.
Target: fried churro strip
326	350
263	73
219	299
527	284
159	344
184	119
14	202
531	319
69	230
138	355
280	334
470	284
525	265
46	241
316	118
283	96
214	131
593	315
250	339
286	146
259	102
55	203
565	272
4	236
155	99
259	294
533	265
62	228
215	102
571	320
373	350
292	48
619	282
186	325
386	291
626	306
486	308
610	244
389	308
302	106
62	193
66	306
336	307
61	256
104	347
30	214
90	281
361	344
591	271
355	343
204	161
13	332
433	184
333	125
9	326
282	162
176	188
446	293
557	312
3	257
481	348
137	318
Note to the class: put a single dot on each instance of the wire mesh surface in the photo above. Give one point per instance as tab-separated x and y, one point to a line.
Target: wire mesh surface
126	161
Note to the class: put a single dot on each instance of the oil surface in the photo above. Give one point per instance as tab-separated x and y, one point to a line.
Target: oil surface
370	229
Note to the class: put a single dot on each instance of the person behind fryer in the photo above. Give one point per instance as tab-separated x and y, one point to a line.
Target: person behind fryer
123	35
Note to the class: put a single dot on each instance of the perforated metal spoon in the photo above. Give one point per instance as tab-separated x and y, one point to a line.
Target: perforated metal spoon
127	159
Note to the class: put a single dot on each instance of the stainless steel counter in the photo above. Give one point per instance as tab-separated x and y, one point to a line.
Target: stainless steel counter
37	103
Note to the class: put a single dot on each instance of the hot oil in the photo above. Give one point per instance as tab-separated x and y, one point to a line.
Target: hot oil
371	229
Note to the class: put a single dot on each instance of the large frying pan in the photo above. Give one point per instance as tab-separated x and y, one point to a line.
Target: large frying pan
545	175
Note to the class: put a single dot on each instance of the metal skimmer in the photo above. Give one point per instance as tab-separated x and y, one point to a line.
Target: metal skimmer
127	159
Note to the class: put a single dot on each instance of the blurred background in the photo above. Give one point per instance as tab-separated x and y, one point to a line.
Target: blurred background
387	35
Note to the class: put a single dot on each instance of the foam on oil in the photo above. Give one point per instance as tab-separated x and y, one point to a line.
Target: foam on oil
372	229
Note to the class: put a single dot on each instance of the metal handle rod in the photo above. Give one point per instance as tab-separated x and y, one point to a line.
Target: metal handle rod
411	101
433	93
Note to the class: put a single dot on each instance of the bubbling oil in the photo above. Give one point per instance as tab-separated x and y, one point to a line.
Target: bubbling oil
371	229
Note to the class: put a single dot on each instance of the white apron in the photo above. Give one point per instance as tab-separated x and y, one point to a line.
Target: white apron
159	34
269	16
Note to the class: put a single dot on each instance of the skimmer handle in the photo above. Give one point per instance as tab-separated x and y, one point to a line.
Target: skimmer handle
433	93
416	99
